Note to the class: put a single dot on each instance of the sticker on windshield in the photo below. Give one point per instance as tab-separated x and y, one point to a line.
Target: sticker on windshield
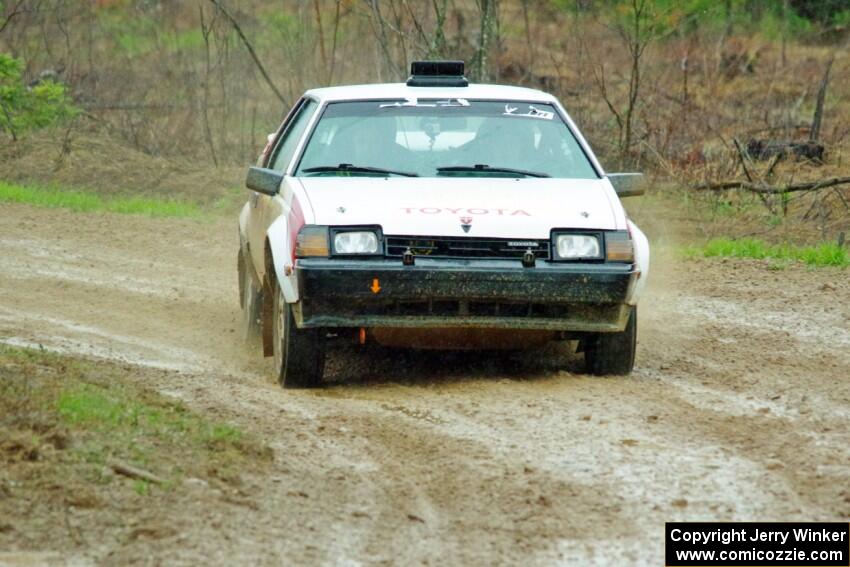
399	104
430	104
533	112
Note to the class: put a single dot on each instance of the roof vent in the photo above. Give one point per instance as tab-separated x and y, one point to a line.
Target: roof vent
437	74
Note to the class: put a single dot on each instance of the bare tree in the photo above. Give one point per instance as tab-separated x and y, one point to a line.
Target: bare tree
380	27
814	134
405	29
488	13
438	44
205	33
333	44
636	31
320	28
529	42
432	44
251	51
16	9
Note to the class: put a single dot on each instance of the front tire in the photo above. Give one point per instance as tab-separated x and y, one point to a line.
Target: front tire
613	353
299	354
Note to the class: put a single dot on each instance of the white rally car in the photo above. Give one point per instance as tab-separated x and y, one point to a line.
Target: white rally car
440	214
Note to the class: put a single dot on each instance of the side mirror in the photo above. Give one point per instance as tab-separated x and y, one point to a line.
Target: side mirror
628	184
263	180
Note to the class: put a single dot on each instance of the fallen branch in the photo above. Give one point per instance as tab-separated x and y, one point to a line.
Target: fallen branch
772	189
133	472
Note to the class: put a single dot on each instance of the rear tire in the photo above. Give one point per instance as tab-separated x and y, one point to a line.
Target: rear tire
299	354
251	301
613	353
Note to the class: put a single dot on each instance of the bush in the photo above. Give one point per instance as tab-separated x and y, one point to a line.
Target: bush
25	108
825	12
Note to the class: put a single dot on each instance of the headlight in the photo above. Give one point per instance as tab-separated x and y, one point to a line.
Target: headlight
577	246
360	242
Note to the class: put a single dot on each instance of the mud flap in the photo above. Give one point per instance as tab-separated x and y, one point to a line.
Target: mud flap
267	318
240	274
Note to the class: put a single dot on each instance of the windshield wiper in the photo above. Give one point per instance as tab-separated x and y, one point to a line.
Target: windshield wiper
357	169
488	168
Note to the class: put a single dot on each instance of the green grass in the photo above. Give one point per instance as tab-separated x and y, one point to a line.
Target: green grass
826	254
114	409
86	201
142	487
109	416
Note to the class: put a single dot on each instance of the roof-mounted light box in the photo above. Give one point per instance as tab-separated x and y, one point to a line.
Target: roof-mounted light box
437	74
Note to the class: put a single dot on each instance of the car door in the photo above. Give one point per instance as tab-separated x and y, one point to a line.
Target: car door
266	209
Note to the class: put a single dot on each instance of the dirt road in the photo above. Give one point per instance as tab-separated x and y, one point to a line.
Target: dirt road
738	409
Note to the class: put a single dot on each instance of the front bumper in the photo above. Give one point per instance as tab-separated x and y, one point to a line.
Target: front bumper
581	297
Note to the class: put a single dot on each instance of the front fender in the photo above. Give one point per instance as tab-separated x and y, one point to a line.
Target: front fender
641	244
244	214
281	241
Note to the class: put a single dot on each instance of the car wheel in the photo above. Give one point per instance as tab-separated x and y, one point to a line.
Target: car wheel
251	301
612	353
299	354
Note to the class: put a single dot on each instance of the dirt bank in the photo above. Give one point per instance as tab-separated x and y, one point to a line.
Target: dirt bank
738	409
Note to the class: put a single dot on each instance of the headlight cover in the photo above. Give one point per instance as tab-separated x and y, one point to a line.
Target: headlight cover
619	246
578	247
312	240
356	242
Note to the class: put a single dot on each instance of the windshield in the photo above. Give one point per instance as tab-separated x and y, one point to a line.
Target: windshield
454	137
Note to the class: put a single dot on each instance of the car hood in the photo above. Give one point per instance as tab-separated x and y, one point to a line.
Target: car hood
487	207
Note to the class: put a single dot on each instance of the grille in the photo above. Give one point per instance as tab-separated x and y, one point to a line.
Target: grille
476	309
456	308
442	247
